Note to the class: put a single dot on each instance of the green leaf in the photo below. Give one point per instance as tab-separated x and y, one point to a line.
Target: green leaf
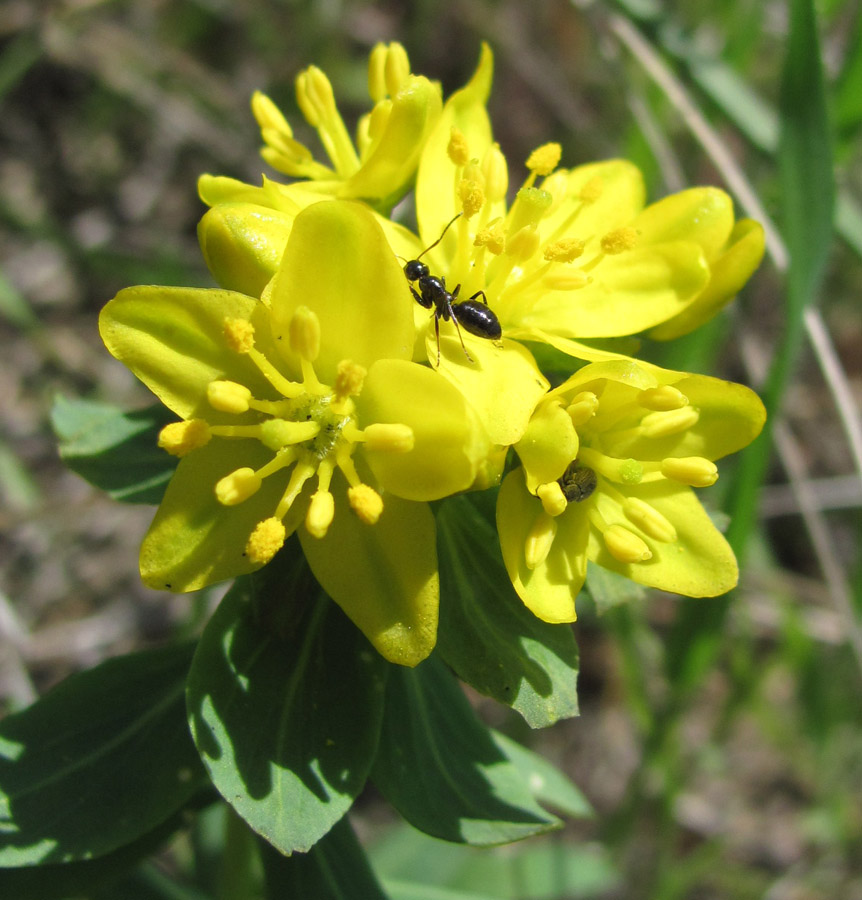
547	783
114	450
336	868
487	635
438	765
285	699
89	878
609	589
97	762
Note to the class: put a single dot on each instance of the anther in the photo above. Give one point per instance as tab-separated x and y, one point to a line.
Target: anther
472	197
239	335
543	160
321	511
180	438
493	237
365	502
238	486
694	471
625	545
668	422
619	240
265	541
349	378
649	520
458	150
662	398
565	250
539	541
392	437
583	408
553	499
268	115
304	333
228	396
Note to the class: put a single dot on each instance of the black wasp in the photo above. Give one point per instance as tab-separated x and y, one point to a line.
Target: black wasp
471	315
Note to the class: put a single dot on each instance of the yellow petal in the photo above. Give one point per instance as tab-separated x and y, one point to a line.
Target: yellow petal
629	292
729	272
703	215
243	243
194	540
550	589
173	340
339	264
384	576
502	384
449	443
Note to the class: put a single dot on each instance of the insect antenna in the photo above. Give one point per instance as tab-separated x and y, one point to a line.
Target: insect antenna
443	234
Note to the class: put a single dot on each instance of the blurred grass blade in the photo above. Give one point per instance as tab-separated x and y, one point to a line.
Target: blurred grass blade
807	194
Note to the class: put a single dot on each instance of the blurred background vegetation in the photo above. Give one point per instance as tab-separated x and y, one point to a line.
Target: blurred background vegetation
719	741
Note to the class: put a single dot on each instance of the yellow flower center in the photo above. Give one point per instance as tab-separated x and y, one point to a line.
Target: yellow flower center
516	259
606	428
312	428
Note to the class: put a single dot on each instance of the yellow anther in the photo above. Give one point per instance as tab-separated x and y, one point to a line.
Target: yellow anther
540	539
523	244
265	541
565	250
553	499
278	433
543	160
314	96
472	197
321	511
592	189
582	408
377	71
238	486
304	333
239	335
493	237
667	422
619	240
649	520
365	502
496	173
228	396
691	470
268	115
397	68
625	545
180	438
662	398
565	279
349	378
457	150
392	437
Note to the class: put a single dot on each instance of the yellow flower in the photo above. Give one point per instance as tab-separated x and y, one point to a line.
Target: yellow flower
577	255
378	167
301	411
609	462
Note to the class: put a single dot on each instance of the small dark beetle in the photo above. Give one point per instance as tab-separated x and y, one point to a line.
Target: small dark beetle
471	315
578	482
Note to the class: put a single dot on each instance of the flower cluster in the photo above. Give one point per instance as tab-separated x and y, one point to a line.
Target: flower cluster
348	371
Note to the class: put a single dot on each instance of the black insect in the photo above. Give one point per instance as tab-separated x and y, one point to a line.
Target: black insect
578	482
471	315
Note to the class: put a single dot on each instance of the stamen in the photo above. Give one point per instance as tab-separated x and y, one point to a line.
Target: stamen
493	237
349	378
496	173
668	422
625	545
458	150
239	335
523	244
278	433
180	438
238	486
366	503
619	240
392	437
304	333
317	102
649	520
662	398
265	541
583	408
472	197
553	499
539	541
565	250
228	396
543	160
321	512
694	471
622	471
